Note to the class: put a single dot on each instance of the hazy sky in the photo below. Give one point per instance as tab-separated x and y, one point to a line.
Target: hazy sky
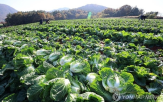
28	5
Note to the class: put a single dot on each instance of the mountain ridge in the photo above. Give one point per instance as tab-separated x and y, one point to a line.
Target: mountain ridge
4	10
95	8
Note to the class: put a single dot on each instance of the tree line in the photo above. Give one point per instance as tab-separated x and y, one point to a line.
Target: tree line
35	16
125	10
70	14
27	17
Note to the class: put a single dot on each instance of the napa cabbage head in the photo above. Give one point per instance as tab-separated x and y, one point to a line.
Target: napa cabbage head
97	62
91	77
26	70
155	87
24	46
75	84
66	59
61	87
43	52
54	56
115	81
79	66
17	43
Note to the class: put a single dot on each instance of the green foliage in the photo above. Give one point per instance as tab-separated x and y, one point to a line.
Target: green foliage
80	66
151	15
86	97
81	60
22	60
60	89
125	10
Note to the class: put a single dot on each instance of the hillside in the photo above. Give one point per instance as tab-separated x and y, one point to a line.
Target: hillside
92	8
4	10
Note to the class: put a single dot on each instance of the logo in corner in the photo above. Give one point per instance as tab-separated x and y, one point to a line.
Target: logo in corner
116	97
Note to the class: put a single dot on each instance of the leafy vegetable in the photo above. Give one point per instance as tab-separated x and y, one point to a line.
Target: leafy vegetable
115	82
87	96
79	66
60	89
66	59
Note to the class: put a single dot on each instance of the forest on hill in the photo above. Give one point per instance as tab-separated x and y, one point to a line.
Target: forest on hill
27	17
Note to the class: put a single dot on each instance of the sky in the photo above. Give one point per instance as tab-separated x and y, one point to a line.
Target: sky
48	5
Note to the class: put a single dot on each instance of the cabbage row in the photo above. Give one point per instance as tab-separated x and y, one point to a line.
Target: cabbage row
82	61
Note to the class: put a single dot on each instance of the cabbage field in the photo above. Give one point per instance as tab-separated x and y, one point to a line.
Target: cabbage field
97	60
